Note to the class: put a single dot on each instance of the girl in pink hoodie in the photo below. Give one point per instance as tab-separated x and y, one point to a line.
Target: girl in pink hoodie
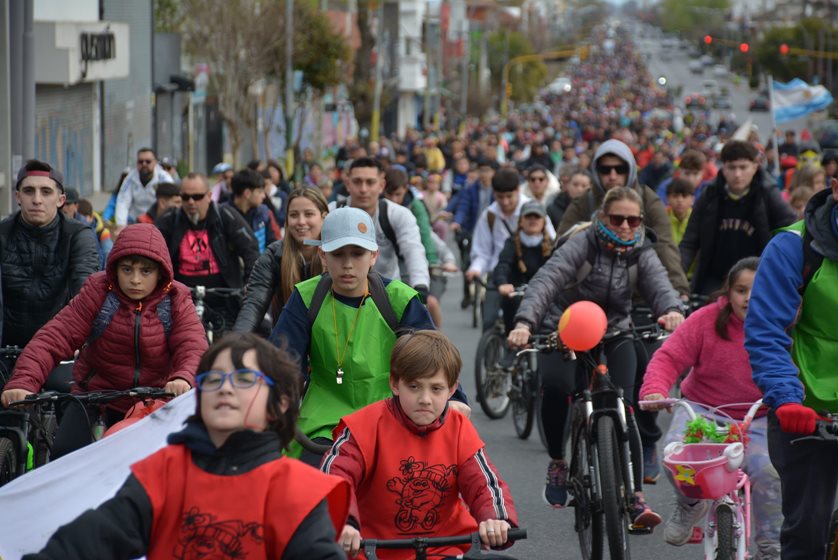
710	346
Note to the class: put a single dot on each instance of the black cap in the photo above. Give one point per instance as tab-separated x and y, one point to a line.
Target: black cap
72	196
35	168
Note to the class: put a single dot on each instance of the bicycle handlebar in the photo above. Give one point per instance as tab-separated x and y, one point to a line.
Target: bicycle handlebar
203	290
95	397
309	445
825	430
514	534
685	404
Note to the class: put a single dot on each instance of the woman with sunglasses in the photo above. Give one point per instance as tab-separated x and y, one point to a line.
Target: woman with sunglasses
221	487
603	263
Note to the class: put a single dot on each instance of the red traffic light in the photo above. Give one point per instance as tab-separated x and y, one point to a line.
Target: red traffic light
784	49
743	47
708	39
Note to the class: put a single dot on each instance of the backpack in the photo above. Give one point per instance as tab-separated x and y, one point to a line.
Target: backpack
378	293
386	226
585	269
491	217
110	307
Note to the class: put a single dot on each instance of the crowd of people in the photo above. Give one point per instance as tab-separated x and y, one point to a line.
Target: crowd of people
605	193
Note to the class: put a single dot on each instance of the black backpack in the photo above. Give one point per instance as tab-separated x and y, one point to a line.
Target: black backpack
378	293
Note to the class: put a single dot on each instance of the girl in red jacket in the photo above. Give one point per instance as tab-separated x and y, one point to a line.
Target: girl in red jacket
710	344
134	326
221	488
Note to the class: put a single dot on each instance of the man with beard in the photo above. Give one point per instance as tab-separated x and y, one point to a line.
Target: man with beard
137	193
210	245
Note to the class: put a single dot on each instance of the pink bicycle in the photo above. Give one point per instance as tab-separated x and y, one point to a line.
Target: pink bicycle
708	468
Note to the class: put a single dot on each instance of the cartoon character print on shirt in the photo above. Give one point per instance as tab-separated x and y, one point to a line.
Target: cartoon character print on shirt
421	491
204	538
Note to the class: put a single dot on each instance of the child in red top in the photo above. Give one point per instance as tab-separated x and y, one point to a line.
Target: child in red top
711	345
221	488
432	477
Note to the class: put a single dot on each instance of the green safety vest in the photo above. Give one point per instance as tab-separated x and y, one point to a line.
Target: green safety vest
366	365
814	336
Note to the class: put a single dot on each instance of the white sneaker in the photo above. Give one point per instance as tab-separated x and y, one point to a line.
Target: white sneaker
679	527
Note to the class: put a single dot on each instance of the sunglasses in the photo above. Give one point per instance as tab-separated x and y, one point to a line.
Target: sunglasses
620	168
142	161
195	197
617	220
538	178
240	379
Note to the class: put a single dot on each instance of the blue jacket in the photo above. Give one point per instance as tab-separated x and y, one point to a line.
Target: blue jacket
468	206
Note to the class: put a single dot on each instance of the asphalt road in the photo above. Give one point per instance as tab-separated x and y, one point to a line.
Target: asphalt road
523	464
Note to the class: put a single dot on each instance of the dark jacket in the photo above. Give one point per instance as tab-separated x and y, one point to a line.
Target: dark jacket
508	270
557	208
263	286
123	525
654	212
114	360
43	267
468	206
230	238
768	212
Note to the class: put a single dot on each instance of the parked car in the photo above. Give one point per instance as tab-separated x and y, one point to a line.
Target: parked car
760	103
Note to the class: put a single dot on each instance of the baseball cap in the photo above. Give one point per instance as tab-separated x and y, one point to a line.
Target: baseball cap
346	226
533	207
35	168
168	162
221	168
71	196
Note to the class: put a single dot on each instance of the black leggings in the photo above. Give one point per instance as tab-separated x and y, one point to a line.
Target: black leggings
561	379
75	429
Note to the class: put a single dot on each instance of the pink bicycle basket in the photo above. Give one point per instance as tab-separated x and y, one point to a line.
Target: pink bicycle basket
701	470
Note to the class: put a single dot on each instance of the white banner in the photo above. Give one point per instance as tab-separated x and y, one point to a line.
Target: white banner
33	506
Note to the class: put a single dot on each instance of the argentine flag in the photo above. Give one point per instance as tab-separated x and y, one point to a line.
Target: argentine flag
797	99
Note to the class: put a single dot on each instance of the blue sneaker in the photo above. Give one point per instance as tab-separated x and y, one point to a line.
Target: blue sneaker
651	466
555	491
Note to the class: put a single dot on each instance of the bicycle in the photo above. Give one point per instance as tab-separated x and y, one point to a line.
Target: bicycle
30	434
601	477
827	430
422	544
711	471
215	322
478	289
495	380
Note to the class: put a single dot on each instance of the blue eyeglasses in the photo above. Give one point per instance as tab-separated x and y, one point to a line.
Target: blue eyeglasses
240	379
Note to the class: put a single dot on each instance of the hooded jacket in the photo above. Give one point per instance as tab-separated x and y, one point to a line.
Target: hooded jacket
553	288
133	350
654	212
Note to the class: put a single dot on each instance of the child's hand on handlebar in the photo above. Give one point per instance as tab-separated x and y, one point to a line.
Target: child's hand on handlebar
493	532
519	336
177	387
350	541
506	289
671	320
450	267
13	395
652	406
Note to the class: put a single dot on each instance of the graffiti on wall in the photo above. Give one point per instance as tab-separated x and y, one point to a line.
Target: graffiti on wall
67	145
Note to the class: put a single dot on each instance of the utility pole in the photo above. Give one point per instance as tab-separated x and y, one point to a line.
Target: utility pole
464	71
375	123
289	88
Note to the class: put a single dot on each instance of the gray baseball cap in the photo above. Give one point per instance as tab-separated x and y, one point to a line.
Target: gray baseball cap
533	207
346	226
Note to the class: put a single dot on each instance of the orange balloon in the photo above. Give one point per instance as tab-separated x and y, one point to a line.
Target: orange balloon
582	326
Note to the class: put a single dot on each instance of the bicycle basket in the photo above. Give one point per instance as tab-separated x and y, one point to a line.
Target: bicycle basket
704	471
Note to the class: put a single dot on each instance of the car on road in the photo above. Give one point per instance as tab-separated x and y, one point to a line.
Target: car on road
695	101
696	67
722	102
710	88
707	60
826	135
760	103
720	71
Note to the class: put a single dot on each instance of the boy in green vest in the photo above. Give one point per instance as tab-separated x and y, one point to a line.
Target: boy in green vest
342	325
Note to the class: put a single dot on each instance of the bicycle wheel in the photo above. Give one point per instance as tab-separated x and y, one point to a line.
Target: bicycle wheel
613	488
588	520
45	439
8	461
523	403
832	545
725	533
490	378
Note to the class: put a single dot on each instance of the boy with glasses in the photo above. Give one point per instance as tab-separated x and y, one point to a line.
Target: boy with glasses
137	192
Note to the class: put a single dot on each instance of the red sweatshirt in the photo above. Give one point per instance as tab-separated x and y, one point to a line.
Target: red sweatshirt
720	372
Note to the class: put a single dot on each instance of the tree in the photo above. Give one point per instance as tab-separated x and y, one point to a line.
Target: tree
361	88
525	77
802	35
693	18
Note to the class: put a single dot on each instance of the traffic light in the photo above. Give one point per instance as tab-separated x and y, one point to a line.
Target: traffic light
708	39
744	47
784	49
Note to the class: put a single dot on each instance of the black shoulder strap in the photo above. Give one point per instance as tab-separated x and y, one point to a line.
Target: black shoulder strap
386	227
379	296
812	261
320	292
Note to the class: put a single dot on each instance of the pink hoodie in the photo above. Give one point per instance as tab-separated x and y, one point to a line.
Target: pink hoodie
721	372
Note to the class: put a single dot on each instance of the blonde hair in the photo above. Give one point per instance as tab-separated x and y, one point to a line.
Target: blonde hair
617	194
292	250
805	177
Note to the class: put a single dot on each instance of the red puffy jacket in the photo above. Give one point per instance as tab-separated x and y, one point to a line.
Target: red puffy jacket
112	361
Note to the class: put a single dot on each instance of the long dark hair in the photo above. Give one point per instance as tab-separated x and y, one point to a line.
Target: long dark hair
722	320
273	362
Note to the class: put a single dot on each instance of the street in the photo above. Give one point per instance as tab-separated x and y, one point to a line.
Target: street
523	464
